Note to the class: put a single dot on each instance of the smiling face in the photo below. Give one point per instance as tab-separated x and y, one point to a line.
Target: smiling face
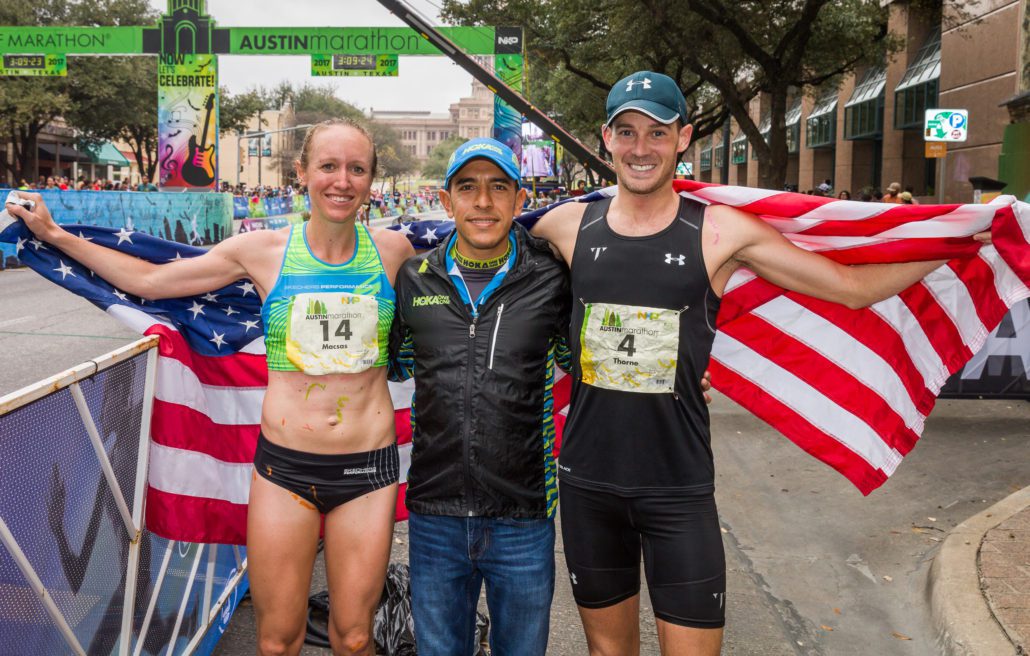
338	172
482	200
644	151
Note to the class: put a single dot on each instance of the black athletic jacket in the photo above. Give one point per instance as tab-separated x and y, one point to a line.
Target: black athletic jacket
482	414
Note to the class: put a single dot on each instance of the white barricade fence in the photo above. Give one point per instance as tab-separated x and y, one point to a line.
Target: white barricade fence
79	573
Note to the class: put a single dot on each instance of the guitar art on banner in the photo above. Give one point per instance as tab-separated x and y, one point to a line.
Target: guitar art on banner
187	121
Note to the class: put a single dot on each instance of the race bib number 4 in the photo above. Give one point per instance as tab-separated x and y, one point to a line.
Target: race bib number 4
333	333
629	348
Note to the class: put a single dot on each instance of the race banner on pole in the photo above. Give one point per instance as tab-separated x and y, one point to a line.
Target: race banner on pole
187	96
508	65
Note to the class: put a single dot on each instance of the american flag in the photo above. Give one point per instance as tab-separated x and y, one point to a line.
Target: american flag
851	387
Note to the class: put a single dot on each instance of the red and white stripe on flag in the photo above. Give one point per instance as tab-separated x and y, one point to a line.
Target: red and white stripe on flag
854	387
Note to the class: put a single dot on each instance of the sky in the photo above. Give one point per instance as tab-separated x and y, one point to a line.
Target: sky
423	83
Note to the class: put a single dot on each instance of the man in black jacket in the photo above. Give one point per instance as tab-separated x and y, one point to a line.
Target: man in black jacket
481	322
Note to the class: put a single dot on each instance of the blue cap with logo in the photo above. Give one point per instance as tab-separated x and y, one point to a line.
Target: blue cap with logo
650	93
483	148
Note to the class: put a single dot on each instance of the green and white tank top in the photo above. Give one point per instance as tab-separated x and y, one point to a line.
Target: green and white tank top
323	318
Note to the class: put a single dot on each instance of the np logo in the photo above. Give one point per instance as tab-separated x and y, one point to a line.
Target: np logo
679	259
646	82
597	250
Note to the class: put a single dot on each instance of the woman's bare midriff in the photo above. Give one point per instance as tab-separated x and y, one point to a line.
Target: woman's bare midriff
341	413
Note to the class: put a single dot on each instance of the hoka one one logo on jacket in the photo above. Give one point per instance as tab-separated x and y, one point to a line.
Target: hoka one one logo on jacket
422	301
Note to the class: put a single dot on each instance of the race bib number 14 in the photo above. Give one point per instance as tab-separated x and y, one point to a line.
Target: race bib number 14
629	348
333	333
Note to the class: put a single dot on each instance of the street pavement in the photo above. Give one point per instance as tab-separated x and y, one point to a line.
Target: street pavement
813	566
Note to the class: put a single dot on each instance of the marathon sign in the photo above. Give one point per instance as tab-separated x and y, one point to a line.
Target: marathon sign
508	40
34	65
74	40
352	40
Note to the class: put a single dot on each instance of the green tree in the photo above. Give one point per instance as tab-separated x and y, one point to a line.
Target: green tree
784	46
103	98
394	160
116	98
578	48
27	105
722	54
236	110
436	163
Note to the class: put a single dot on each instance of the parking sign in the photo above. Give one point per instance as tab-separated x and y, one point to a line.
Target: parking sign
946	125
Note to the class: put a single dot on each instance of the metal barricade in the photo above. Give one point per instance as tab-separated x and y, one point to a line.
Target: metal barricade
79	572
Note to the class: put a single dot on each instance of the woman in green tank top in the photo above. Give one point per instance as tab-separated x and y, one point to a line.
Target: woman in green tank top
327	445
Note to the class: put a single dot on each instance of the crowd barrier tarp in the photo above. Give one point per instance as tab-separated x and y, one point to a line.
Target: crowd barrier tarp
188	218
64	517
1001	369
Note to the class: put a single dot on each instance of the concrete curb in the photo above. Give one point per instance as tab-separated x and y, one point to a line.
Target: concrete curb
963	620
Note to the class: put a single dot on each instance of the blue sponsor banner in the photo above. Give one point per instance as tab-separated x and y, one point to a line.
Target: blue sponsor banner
188	218
239	207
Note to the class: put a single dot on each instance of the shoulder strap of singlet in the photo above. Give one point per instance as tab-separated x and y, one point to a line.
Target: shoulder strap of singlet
595	212
691	212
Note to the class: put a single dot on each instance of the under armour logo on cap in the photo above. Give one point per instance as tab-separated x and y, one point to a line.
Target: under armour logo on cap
646	82
653	94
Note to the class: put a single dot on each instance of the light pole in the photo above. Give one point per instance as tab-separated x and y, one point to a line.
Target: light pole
260	135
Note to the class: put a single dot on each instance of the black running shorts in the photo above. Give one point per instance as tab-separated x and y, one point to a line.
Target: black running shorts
327	480
679	535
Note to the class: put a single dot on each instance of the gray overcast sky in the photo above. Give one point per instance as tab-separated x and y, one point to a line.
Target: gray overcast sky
423	83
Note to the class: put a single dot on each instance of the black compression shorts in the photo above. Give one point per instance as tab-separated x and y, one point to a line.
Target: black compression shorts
684	560
327	480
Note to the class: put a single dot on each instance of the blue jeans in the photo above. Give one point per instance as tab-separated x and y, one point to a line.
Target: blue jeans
450	557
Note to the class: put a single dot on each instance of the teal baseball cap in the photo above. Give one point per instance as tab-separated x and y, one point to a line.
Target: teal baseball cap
483	148
650	93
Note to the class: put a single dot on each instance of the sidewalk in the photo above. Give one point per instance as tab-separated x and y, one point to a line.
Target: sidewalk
980	582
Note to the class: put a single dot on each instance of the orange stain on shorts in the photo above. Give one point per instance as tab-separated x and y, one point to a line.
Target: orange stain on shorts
302	501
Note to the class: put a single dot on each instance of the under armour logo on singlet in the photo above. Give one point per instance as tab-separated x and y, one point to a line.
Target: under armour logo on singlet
679	259
646	82
597	250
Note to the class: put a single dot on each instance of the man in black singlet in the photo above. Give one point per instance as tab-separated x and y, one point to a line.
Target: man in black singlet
648	269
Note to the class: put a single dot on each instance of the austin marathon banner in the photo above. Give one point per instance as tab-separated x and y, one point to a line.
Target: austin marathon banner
187	117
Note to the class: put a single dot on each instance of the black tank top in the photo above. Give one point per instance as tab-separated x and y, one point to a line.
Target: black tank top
643	323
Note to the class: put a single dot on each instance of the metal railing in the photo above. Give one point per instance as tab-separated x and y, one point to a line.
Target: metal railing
17	412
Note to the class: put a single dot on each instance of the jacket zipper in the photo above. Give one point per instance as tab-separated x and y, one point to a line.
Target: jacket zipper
466	442
493	338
